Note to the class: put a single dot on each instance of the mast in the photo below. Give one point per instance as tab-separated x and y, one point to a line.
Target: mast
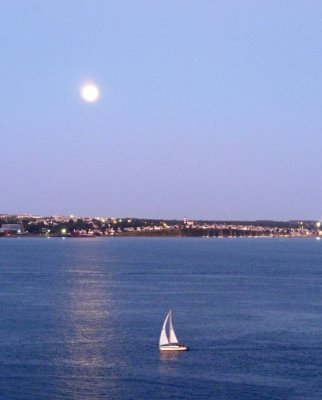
172	335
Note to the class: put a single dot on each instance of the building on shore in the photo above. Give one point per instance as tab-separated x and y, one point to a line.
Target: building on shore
11	229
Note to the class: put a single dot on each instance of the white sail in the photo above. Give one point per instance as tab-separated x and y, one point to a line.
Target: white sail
164	337
172	335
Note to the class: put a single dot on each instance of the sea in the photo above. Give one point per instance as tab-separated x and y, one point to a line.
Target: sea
80	319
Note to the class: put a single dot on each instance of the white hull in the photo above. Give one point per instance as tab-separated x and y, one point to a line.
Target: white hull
173	348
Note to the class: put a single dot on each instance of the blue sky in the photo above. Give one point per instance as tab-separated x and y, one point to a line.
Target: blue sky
209	109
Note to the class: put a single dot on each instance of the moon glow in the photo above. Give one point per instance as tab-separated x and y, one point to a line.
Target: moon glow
90	92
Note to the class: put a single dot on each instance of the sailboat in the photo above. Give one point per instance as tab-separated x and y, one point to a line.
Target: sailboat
168	339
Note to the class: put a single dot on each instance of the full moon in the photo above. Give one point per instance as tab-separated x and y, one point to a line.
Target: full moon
90	92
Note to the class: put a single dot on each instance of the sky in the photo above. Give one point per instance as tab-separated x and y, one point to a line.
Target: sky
208	109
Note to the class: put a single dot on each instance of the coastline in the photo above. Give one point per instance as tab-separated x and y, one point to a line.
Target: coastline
91	237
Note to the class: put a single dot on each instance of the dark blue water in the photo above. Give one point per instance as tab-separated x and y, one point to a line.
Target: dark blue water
80	319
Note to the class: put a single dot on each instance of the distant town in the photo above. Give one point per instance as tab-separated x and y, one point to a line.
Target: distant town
87	227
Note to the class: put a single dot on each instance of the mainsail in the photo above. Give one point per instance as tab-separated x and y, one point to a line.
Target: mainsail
164	337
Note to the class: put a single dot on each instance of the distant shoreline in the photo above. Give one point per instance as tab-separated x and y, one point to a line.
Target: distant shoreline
88	227
9	237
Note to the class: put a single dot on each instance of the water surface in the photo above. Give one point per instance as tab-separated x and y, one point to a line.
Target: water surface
81	318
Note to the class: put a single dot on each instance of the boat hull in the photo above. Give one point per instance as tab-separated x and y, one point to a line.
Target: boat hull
173	348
